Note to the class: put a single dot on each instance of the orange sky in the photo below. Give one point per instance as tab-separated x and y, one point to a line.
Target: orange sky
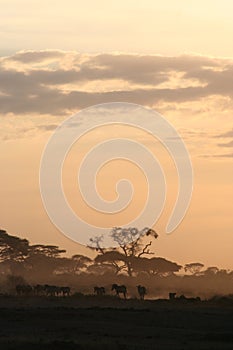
57	60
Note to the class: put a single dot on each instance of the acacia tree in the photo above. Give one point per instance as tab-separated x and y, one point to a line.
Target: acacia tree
212	270
131	243
50	251
44	260
116	259
13	248
13	252
194	268
74	265
155	266
80	262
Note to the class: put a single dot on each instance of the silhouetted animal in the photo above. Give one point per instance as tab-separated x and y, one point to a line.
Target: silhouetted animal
120	290
39	289
141	291
65	291
172	296
23	289
184	298
99	290
51	291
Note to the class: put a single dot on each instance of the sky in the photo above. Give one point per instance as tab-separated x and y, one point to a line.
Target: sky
175	57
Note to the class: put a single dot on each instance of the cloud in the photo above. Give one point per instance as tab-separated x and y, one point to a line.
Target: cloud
15	127
226	134
227	144
150	68
47	127
71	81
35	56
225	155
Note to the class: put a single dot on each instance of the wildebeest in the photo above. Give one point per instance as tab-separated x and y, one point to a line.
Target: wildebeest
141	291
119	290
99	290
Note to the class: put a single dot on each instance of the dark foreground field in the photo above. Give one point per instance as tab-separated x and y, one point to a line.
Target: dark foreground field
107	323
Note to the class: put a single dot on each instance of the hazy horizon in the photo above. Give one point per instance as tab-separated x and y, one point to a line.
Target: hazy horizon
175	58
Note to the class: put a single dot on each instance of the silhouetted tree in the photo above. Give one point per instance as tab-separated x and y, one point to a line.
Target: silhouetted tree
155	266
81	261
51	251
13	252
44	260
74	265
116	259
210	271
131	243
100	269
194	268
13	248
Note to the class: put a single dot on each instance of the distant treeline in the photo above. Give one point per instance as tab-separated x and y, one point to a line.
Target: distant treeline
132	263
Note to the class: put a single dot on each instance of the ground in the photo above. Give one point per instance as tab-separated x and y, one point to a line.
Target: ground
109	323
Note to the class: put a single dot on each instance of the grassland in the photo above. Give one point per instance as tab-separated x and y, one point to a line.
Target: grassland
88	322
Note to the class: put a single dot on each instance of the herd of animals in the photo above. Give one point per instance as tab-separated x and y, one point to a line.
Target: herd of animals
121	290
39	289
56	291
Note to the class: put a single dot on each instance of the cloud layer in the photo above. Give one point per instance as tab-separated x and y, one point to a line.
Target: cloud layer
54	82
